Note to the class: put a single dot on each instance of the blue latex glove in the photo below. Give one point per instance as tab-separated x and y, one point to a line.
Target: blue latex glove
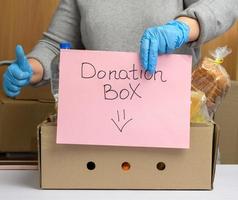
17	75
160	40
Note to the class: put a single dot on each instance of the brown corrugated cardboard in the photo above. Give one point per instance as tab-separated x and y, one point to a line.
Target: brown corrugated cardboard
18	123
68	166
30	92
227	118
35	93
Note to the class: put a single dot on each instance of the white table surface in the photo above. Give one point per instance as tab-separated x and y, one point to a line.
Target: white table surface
24	184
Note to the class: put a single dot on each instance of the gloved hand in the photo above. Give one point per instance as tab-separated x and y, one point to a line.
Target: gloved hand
160	40
17	75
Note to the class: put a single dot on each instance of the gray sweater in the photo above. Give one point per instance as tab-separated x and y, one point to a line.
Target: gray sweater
118	25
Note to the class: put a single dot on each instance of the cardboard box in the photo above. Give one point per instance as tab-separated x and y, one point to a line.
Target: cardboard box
30	92
65	166
18	123
226	117
35	93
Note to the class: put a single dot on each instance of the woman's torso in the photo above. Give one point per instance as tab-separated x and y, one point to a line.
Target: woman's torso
118	25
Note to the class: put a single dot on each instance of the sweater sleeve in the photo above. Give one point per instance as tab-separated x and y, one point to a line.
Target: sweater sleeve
65	26
214	17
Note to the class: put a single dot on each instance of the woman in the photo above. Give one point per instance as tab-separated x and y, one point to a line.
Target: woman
179	26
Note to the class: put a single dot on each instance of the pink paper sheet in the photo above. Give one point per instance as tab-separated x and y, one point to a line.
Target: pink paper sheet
106	99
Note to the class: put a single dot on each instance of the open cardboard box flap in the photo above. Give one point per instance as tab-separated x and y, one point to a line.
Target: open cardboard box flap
64	166
18	123
226	117
216	139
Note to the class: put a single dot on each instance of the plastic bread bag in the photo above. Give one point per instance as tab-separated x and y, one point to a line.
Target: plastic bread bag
211	78
198	108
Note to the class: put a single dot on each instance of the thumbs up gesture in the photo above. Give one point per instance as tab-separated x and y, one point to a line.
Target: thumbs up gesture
18	74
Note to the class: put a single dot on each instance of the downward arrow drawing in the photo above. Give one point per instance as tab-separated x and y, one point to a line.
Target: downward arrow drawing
120	124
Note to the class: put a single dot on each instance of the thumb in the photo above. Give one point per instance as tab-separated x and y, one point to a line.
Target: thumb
22	60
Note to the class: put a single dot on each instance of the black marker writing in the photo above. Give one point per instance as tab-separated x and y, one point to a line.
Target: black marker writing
112	94
89	71
121	123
